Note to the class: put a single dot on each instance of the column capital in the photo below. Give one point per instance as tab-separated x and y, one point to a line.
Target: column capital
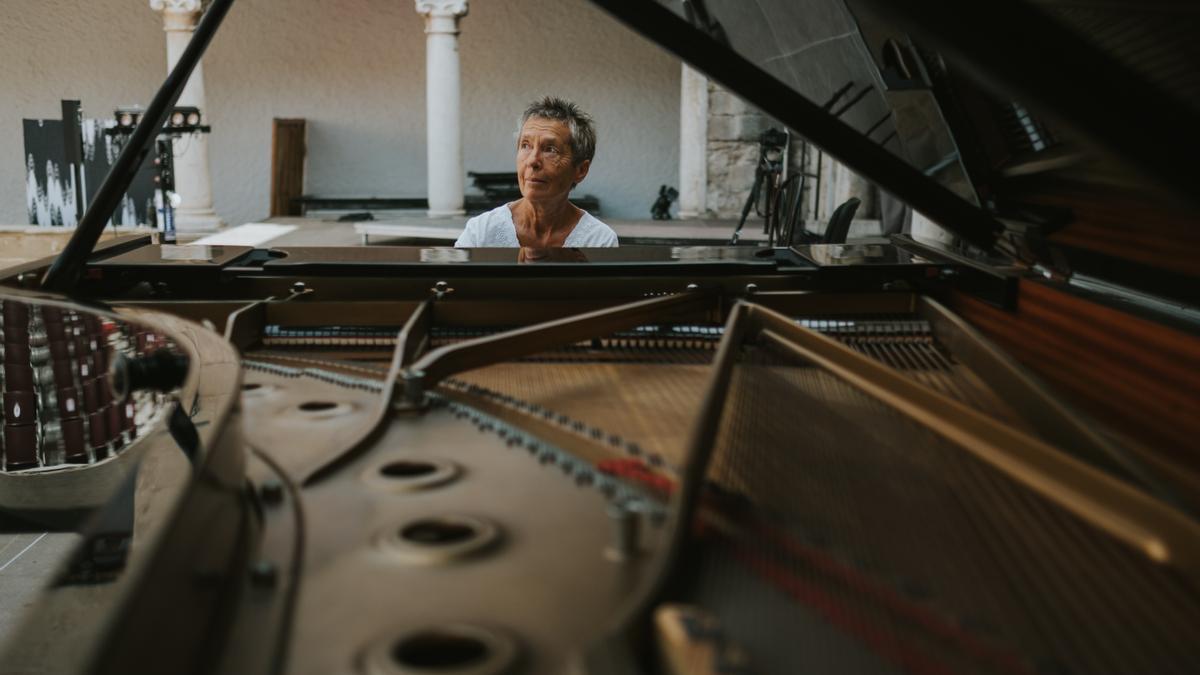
446	8
182	6
178	14
441	16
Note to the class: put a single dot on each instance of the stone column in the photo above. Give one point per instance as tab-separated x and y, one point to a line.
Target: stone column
443	117
193	182
693	143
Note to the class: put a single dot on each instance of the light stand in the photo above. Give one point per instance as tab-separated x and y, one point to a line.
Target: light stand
182	120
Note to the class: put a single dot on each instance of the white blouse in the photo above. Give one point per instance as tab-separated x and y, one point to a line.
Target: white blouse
496	229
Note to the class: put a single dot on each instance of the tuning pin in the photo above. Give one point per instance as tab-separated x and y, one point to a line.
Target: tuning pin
20	407
128	419
17	352
98	433
113	416
74	449
18	377
20	446
15	313
91	394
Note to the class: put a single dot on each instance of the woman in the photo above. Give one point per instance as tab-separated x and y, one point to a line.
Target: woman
554	152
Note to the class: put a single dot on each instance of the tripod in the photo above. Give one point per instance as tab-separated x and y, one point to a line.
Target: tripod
768	177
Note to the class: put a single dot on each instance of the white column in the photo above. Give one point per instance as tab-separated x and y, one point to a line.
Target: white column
693	143
443	117
193	183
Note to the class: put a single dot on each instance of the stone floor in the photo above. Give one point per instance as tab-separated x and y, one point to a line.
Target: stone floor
27	561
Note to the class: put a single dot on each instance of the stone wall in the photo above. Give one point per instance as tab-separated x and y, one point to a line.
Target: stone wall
355	69
734	128
733	131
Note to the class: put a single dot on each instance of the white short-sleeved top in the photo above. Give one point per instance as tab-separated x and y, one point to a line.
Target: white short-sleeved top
496	229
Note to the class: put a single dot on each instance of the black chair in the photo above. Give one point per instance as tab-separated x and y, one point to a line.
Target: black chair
839	222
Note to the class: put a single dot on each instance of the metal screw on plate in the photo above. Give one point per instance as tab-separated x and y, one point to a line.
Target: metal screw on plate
299	287
441	289
751	289
263	574
271	491
692	287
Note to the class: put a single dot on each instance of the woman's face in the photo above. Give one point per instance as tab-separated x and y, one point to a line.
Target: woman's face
545	167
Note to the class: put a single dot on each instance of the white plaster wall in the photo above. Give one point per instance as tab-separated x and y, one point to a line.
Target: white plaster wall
355	70
105	53
516	50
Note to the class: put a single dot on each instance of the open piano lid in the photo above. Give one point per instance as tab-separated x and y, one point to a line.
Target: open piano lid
1057	133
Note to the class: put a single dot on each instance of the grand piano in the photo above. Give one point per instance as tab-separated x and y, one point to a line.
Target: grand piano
878	456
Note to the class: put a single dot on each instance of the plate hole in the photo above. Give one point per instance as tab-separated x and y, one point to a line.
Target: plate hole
436	649
251	386
434	532
317	406
407	469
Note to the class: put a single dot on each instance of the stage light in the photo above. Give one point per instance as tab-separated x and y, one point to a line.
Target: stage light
128	118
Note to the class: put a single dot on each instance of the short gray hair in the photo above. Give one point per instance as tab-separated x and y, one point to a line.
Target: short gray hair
579	123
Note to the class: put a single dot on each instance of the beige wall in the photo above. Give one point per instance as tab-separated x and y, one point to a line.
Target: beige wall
355	70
